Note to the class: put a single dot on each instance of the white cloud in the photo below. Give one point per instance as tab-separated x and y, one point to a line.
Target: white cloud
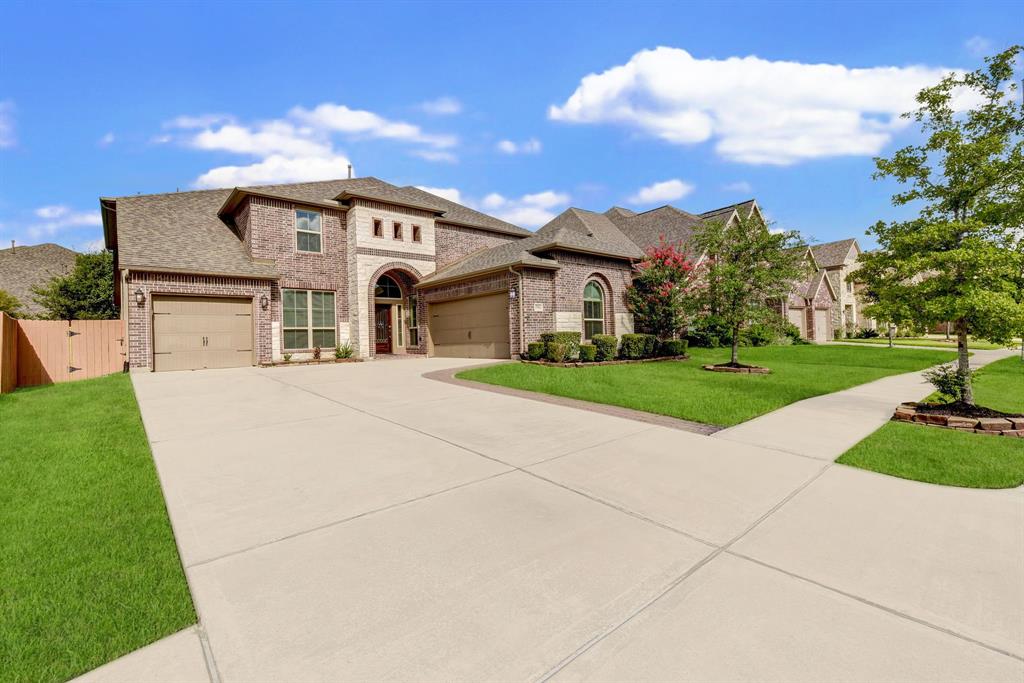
339	118
757	111
531	146
442	106
529	210
978	46
7	137
435	155
58	217
739	186
277	168
450	193
106	140
264	140
201	121
665	191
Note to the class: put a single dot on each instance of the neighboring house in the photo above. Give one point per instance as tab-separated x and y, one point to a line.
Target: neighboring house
221	278
22	268
839	260
812	301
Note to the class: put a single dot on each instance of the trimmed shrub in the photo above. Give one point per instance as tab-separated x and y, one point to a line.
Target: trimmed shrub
606	345
865	333
673	347
708	332
949	381
636	346
571	340
343	351
588	353
535	350
792	332
759	334
556	352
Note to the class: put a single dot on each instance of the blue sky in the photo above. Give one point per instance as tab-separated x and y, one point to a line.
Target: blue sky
698	105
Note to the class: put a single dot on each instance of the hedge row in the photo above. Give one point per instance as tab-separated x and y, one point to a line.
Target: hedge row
559	347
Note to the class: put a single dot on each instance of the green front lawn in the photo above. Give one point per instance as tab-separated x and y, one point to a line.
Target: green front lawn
936	342
683	389
88	566
944	456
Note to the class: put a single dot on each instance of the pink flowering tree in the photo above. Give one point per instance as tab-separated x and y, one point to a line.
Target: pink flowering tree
659	296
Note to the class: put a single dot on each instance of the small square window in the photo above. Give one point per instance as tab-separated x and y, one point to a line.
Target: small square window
396	230
378	227
416	236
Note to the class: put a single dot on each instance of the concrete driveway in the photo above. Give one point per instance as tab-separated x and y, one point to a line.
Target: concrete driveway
362	522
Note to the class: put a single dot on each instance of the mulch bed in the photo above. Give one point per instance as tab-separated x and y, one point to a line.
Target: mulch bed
962	417
582	364
738	368
311	361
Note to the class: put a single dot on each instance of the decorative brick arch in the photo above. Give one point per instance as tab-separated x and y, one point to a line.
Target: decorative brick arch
609	300
407	278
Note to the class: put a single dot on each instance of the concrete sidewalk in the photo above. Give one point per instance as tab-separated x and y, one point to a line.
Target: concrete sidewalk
825	427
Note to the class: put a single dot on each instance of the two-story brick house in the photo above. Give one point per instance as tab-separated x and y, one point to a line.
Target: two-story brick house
220	278
839	260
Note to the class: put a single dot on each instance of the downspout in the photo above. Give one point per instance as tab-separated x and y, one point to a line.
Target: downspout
519	297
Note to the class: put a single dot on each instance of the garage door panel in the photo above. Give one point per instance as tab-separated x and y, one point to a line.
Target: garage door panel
190	333
471	328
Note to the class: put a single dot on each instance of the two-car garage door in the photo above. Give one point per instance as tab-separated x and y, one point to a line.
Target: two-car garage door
471	328
190	332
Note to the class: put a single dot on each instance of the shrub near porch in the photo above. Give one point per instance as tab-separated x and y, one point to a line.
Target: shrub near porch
683	389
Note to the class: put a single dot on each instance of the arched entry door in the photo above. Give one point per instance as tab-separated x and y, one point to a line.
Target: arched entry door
387	312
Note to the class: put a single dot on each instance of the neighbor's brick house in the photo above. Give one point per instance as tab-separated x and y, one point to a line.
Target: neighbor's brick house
219	278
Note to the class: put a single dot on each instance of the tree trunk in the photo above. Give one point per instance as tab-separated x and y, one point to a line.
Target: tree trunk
735	345
963	362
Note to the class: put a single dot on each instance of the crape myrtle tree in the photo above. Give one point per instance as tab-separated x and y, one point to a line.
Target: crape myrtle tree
86	293
746	266
959	259
659	296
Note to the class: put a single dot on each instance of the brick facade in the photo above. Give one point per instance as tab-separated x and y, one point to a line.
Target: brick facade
487	284
576	271
140	318
455	242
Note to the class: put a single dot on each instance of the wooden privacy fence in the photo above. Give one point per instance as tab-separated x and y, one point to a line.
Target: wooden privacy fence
46	351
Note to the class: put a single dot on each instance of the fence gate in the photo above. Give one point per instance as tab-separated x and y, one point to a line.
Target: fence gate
62	351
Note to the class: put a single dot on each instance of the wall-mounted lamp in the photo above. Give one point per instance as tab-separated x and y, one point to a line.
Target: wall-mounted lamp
512	293
140	296
264	302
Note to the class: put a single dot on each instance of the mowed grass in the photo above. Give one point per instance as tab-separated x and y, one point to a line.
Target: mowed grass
944	456
88	566
683	389
935	342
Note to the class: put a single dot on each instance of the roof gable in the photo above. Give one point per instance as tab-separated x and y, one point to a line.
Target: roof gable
834	254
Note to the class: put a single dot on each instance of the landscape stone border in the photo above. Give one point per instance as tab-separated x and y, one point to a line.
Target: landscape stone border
745	371
996	426
581	364
310	361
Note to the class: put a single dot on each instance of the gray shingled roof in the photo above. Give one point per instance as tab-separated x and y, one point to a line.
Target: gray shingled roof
181	231
832	254
590	224
646	229
23	268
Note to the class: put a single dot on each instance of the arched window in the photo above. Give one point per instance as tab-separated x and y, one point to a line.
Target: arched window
387	288
593	310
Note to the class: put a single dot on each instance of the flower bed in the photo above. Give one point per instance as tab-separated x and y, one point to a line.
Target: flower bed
744	369
581	364
311	361
969	419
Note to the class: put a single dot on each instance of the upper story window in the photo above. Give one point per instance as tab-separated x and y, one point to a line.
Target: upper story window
396	230
378	227
307	231
593	310
416	234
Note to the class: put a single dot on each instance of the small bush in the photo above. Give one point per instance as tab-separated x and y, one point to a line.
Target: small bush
556	352
343	351
571	340
588	353
606	345
865	333
792	333
708	332
673	347
636	346
287	357
949	381
760	334
535	350
316	353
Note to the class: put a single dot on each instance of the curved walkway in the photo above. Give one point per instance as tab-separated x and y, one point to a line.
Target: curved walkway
362	522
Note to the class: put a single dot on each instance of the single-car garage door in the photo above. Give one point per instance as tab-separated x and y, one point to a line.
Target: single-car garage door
820	326
471	328
796	316
191	332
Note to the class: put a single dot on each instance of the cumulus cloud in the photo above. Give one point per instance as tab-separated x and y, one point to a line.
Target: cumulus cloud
755	110
276	168
529	210
339	118
531	146
55	218
665	191
450	193
7	137
442	106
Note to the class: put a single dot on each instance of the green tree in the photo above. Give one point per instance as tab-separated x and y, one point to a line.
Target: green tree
658	297
9	303
746	266
956	260
86	293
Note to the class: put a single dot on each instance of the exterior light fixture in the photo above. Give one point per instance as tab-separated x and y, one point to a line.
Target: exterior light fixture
264	302
140	296
512	293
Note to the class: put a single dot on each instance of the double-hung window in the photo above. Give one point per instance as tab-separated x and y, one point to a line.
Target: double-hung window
308	319
307	231
593	310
